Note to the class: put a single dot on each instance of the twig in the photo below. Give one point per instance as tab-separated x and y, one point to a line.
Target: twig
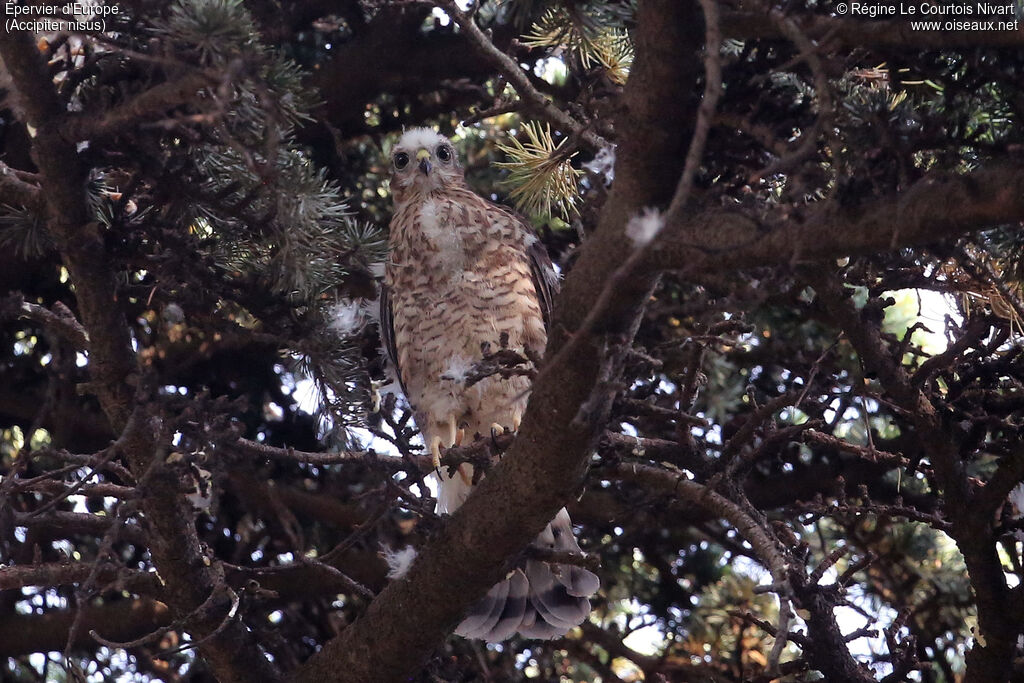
804	150
505	363
15	190
496	110
842	509
370	458
102	458
141	640
798	638
534	99
809	52
60	321
869	454
829	562
84	590
637	407
345	579
228	617
782	634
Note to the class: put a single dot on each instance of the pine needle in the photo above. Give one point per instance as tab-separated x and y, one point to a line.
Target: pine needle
592	38
541	174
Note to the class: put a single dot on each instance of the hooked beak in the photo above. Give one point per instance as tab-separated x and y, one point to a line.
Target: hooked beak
424	158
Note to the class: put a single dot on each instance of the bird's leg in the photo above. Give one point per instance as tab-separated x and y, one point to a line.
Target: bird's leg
375	396
435	451
496	429
452	432
452	437
465	470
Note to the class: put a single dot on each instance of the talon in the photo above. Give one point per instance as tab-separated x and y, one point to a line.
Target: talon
497	429
459	436
435	451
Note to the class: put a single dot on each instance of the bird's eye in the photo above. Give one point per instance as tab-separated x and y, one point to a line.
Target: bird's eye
401	160
444	153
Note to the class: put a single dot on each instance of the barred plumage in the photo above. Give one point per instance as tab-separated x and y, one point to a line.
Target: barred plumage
462	272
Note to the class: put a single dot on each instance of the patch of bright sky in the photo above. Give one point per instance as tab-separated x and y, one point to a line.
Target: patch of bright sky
551	69
442	16
928	307
647	640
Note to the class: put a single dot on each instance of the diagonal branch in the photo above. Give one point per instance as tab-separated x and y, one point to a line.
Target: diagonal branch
60	320
676	485
535	100
937	207
63	182
16	191
26	633
148	105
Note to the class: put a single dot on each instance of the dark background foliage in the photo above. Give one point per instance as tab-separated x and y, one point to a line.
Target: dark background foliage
798	408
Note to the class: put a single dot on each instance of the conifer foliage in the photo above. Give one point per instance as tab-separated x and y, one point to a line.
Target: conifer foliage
782	397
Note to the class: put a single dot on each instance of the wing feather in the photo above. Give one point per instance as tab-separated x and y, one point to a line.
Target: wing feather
545	279
387	334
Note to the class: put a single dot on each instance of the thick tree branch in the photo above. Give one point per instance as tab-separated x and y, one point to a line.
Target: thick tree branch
63	574
937	207
25	633
69	222
150	104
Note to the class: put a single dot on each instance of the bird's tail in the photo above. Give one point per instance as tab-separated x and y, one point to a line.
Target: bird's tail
537	599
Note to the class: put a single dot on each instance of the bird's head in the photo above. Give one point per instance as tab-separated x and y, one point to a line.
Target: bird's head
422	161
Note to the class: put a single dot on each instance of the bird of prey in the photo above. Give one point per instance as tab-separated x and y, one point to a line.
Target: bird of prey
462	272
